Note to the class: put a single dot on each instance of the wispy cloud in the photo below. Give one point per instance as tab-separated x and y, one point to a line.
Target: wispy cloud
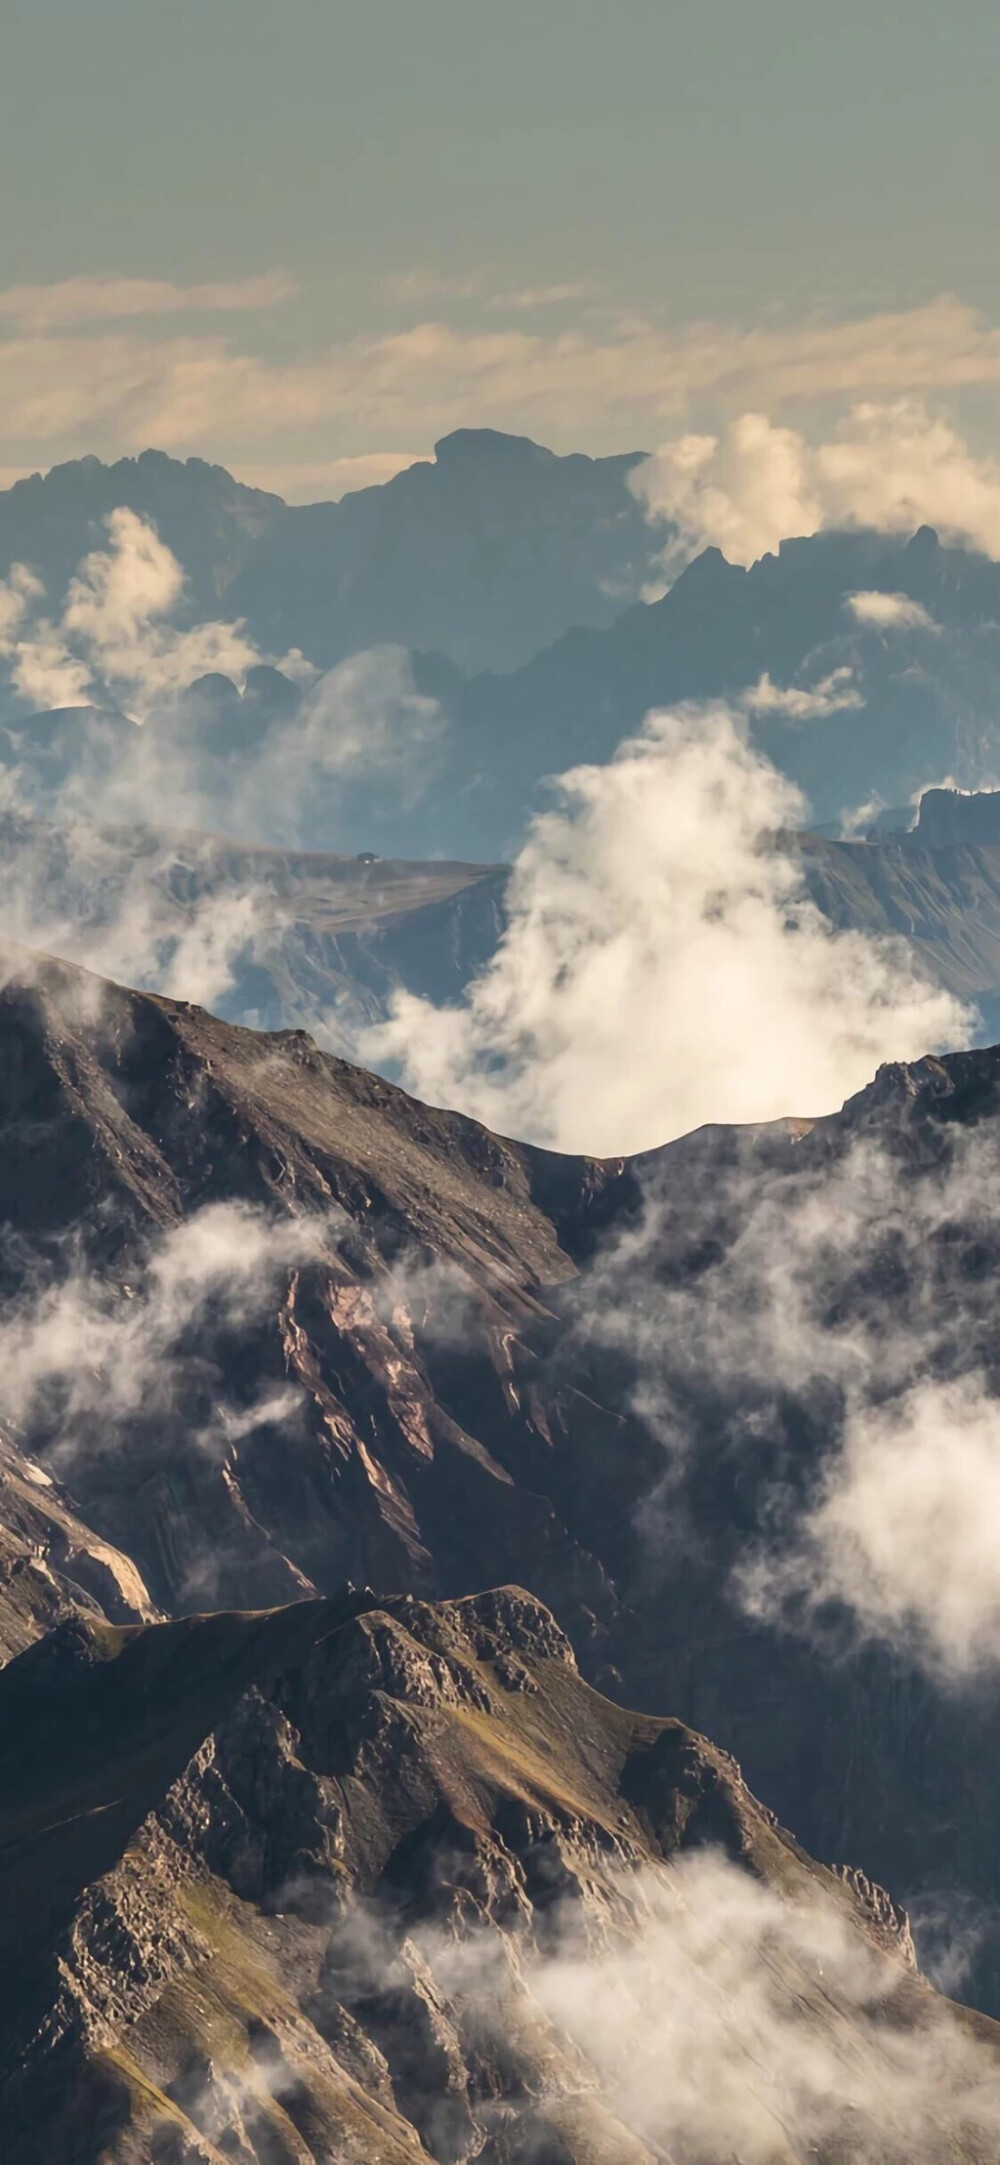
524	299
831	694
572	382
686	2012
81	1356
72	301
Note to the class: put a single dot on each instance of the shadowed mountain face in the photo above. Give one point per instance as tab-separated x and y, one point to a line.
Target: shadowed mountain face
487	551
928	686
381	1881
268	1324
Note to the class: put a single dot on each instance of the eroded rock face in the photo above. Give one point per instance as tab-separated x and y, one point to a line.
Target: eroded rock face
372	1915
474	1362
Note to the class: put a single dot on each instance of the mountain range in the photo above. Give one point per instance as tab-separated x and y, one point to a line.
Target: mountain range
437	1572
484	552
368	1339
865	664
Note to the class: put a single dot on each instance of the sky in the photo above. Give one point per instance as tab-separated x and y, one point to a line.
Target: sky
298	238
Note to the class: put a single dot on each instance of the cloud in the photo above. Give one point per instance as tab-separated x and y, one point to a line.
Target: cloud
707	2014
115	639
63	391
118	607
662	965
743	492
821	1317
833	694
159	915
166	915
365	716
102	300
83	1356
907	1531
735	2023
526	298
113	633
890	612
892	467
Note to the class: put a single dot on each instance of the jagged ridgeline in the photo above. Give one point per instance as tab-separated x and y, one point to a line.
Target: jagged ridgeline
386	1881
389	1869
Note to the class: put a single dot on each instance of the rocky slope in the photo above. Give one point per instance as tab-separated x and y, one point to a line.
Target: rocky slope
267	1324
340	1882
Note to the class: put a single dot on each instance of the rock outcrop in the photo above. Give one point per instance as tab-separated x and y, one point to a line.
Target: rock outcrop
268	1325
338	1881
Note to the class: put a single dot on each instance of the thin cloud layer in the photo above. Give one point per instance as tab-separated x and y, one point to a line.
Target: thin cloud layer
662	965
104	300
64	390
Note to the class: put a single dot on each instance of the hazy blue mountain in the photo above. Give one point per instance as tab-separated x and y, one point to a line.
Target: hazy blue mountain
931	690
210	521
488	551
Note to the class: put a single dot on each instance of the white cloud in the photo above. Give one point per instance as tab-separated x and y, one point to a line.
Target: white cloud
158	915
832	694
113	633
83	1350
662	965
118	608
526	298
847	1281
890	612
743	492
115	636
712	2016
907	1532
893	467
733	2023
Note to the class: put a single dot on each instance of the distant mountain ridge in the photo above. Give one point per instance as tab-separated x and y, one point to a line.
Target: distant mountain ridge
485	552
926	689
510	579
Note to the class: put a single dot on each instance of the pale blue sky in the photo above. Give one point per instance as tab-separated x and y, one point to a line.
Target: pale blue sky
749	162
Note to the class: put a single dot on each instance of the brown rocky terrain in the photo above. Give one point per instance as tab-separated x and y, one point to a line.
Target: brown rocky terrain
268	1325
327	1884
